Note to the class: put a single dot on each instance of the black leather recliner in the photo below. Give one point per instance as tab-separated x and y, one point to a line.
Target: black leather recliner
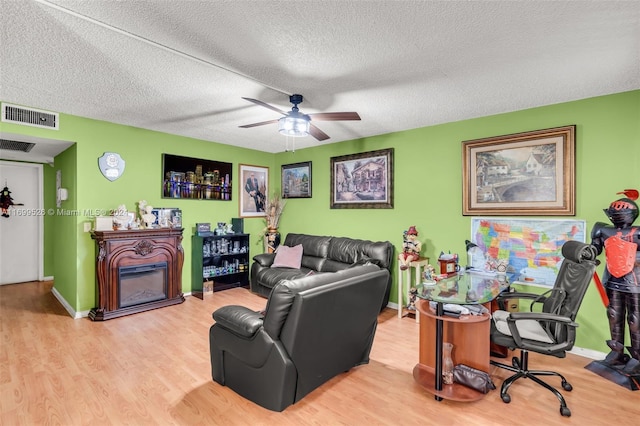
313	329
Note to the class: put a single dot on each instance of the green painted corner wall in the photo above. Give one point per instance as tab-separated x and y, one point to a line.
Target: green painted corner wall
427	185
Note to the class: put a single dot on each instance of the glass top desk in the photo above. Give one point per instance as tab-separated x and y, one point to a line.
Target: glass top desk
468	333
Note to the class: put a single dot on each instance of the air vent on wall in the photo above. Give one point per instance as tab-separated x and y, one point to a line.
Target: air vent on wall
29	116
16	145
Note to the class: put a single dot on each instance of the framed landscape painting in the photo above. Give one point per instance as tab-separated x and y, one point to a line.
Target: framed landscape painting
527	174
296	180
362	181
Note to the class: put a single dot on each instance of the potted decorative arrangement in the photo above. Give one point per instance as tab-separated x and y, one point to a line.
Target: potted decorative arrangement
273	208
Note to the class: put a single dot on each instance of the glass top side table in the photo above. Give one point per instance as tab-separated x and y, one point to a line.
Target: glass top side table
468	333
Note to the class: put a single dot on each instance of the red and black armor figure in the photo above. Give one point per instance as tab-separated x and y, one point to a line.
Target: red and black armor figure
621	279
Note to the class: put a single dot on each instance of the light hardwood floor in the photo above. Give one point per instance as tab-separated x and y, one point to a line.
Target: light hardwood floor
153	368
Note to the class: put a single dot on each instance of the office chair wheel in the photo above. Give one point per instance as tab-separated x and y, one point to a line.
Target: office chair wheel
506	398
565	411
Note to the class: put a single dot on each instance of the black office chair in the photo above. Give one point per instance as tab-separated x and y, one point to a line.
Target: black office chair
550	330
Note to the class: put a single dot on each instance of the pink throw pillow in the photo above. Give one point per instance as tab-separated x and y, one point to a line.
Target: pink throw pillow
288	257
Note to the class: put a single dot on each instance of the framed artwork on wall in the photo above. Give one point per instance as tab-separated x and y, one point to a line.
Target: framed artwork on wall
362	181
255	187
195	178
296	180
526	174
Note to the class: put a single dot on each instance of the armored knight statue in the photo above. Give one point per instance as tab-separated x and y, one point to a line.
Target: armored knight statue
621	279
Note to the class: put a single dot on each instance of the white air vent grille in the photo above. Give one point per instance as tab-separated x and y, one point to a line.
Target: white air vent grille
29	116
16	145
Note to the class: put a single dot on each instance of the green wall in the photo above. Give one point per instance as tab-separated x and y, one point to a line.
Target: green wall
427	185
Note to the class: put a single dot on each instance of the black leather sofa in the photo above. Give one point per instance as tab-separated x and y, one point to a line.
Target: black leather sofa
321	254
313	329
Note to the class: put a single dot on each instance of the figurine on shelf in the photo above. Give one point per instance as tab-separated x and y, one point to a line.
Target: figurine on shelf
121	218
410	248
142	205
148	218
413	293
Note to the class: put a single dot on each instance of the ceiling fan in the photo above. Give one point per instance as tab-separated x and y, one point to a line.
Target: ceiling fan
296	123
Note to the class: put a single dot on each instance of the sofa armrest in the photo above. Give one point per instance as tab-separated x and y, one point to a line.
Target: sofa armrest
239	320
264	259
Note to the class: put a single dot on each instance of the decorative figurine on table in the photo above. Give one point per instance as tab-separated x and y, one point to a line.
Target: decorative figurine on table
410	248
429	273
621	280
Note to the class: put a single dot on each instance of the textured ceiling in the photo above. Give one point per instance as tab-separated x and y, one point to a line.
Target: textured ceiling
182	67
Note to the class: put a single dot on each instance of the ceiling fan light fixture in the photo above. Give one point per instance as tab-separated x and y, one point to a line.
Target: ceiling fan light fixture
294	126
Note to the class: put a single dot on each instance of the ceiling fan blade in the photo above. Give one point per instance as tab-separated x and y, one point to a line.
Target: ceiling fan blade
317	133
266	105
262	123
334	116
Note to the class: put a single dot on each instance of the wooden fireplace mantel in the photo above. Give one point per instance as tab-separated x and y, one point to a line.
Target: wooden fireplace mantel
116	249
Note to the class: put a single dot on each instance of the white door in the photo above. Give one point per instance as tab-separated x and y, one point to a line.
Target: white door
21	232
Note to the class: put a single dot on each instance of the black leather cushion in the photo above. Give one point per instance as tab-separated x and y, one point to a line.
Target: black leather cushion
348	251
312	245
269	277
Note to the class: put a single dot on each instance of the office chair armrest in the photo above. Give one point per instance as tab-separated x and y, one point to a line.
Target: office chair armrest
565	327
508	295
540	316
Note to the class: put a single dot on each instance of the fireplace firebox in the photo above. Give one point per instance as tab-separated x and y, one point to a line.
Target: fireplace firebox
142	284
137	270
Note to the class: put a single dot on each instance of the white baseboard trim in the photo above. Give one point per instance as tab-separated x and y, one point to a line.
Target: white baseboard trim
588	353
65	304
50	278
392	305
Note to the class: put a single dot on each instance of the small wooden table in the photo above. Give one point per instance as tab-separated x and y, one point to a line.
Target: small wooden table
468	333
417	265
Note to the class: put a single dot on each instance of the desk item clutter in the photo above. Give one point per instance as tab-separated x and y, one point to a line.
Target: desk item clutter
456	310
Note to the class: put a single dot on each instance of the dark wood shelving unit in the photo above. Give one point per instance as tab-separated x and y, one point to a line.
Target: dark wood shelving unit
219	261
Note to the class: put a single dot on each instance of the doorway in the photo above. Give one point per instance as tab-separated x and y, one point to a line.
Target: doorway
21	234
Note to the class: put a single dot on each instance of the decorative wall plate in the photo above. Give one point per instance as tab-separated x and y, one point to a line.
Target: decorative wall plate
111	165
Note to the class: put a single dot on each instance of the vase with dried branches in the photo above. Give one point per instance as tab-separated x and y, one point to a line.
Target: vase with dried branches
273	208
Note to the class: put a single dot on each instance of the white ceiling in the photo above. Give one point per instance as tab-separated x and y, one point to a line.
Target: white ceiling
182	67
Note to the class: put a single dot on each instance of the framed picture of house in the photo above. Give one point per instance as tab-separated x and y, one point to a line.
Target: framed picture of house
362	181
296	180
255	186
527	174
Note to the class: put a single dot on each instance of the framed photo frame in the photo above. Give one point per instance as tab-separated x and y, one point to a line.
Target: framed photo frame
526	174
296	180
362	181
254	190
